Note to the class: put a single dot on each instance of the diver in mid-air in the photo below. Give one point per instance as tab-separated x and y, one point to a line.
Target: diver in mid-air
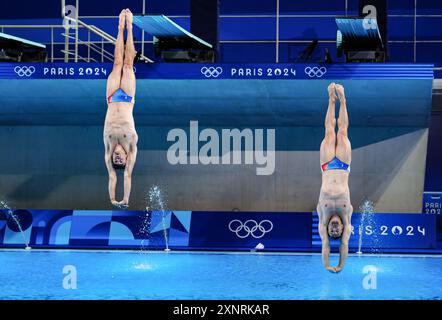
119	134
334	207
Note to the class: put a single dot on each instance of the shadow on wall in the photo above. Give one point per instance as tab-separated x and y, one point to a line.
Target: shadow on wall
299	53
390	173
36	187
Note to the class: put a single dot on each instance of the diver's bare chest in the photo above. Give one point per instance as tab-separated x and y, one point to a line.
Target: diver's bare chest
120	136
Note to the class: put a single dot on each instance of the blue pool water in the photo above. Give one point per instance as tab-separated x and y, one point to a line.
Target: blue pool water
38	274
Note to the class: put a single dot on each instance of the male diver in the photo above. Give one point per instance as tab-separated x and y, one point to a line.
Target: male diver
119	135
334	207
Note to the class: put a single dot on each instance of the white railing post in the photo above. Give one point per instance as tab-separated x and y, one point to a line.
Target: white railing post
66	45
277	31
66	30
76	31
414	31
52	44
63	4
88	45
142	30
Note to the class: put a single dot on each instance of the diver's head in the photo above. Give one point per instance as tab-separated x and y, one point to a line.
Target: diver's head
119	157
335	227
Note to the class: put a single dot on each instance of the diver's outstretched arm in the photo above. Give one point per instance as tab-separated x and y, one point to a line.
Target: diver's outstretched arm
131	159
343	250
112	185
325	252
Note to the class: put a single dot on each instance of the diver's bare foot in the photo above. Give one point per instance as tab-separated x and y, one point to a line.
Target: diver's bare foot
331	91
129	18
122	19
340	91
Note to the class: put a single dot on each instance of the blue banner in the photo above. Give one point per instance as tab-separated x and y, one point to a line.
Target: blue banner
381	231
245	230
287	231
377	231
219	71
432	202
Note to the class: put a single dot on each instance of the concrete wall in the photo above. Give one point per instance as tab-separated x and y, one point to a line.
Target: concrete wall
52	150
61	167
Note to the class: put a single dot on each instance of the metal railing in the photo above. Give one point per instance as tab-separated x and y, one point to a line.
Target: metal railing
90	45
277	16
50	27
104	36
71	48
70	55
72	40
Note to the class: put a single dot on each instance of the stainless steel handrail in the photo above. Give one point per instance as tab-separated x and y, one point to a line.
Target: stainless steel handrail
37	26
76	56
91	45
102	34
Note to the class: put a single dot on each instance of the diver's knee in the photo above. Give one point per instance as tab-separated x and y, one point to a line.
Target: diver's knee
127	67
342	133
118	65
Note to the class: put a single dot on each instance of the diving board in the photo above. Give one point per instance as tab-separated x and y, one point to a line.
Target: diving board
355	28
16	49
360	40
161	26
5	36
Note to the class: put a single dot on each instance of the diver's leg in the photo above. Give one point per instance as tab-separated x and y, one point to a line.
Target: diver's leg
328	144
114	79
343	146
128	80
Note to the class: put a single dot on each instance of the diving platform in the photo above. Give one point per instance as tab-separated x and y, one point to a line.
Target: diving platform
16	49
172	42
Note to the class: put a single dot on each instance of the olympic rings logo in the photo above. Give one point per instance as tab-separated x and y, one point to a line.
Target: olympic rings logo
250	228
315	71
24	71
211	72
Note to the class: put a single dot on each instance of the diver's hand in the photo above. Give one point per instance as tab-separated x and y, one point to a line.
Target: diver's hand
120	205
331	269
338	269
115	203
124	204
334	269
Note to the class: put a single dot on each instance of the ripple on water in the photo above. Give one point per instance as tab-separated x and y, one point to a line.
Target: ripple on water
143	266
